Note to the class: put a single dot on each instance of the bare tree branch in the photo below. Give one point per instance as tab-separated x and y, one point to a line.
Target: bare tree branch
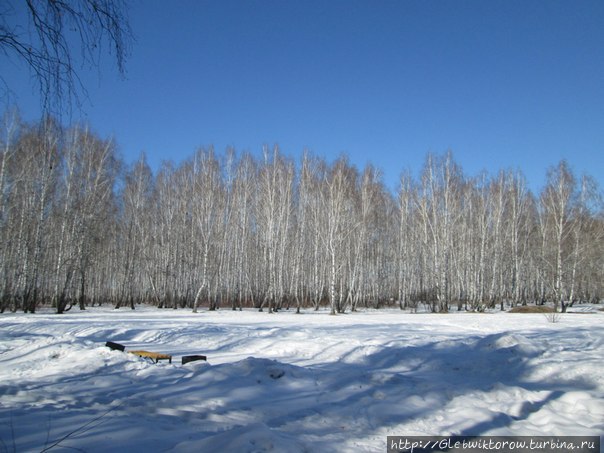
45	44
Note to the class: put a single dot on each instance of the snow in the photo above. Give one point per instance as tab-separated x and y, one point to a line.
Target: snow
297	383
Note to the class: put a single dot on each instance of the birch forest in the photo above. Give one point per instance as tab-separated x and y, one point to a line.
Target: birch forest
235	230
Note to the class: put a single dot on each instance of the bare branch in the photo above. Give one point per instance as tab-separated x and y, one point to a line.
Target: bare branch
48	52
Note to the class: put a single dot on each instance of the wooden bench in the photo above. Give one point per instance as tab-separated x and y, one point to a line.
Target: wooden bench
157	356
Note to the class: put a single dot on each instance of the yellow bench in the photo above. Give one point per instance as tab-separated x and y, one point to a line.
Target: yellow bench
157	356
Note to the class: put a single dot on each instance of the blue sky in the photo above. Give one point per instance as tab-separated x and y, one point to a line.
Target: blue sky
503	84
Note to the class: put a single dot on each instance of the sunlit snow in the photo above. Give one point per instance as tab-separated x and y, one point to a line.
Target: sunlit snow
287	382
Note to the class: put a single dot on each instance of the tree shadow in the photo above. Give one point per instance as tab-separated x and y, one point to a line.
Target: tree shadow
439	373
369	389
504	420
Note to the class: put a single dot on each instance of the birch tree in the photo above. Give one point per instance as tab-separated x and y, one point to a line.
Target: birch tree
339	188
274	211
520	225
92	175
243	220
10	127
557	203
206	214
312	232
584	222
35	174
137	199
441	181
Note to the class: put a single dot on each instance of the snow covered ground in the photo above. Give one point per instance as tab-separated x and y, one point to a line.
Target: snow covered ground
287	382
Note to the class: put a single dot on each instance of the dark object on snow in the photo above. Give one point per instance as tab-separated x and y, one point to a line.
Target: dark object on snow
192	358
276	373
115	346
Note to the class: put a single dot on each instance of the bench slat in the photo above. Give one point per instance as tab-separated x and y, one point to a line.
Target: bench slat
157	356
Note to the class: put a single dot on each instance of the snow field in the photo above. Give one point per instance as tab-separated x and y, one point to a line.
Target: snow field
295	383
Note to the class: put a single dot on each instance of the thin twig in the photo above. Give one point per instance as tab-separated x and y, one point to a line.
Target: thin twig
82	429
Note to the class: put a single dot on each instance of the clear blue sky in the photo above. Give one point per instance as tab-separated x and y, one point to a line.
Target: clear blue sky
503	84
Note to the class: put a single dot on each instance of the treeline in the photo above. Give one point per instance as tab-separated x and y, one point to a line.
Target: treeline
79	227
